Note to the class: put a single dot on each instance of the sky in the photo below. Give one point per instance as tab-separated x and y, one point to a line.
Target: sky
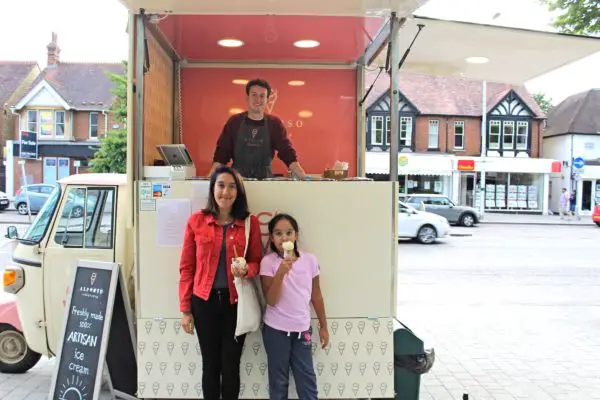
100	36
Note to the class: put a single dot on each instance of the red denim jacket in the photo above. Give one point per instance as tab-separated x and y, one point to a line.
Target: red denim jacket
200	255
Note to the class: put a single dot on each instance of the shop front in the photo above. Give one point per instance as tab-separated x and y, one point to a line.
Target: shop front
417	173
518	185
588	188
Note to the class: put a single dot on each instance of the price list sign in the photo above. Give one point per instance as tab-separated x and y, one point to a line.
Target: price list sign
78	374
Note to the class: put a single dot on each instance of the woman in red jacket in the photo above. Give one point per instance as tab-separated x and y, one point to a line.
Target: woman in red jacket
207	295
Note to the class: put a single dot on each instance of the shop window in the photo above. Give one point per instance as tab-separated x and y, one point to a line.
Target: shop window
94	125
459	135
434	134
377	130
86	220
494	140
387	130
32	121
513	191
522	134
59	123
405	131
508	135
46	123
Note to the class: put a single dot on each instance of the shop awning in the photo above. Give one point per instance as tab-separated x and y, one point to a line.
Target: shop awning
513	55
591	172
409	164
515	165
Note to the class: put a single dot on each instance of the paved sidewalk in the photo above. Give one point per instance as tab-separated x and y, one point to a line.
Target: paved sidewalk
526	219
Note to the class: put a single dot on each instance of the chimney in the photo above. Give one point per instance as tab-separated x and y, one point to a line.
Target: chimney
53	52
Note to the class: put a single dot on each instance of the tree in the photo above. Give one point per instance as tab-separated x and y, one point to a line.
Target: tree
576	16
112	154
543	101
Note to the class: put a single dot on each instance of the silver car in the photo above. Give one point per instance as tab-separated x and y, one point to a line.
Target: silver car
442	205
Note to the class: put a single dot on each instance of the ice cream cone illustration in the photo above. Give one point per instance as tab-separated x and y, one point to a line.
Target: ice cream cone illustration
142	347
148	367
256	348
162	366
383	347
155	347
369	388
369	347
142	387
328	348
177	367
361	326
242	389
355	347
320	368
255	388
376	367
341	348
192	368
198	348
185	347
170	347
390	326
162	326
348	327
362	367
327	388
313	347
390	368
170	388
383	388
198	388
376	325
177	327
155	387
348	368
263	368
355	388
148	326
334	327
341	388
248	368
184	388
334	368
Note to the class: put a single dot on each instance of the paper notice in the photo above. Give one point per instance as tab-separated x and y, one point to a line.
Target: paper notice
199	195
171	218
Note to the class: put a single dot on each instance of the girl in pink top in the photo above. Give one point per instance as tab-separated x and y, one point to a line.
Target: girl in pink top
290	284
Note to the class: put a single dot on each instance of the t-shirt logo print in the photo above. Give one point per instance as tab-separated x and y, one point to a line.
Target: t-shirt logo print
254	133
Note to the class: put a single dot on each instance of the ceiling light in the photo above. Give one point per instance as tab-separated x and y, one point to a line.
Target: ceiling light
234	110
296	83
230	43
239	81
477	60
305	114
306	44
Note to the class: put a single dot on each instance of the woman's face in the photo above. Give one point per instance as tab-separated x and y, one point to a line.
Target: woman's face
225	191
283	231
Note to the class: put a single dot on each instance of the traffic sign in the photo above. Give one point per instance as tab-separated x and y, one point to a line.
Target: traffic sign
579	162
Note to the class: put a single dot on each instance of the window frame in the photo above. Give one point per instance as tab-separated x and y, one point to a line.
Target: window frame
505	124
96	125
406	134
498	124
56	123
29	122
433	123
524	124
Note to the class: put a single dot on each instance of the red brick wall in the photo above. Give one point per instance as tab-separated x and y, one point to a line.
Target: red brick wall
81	127
472	140
536	137
32	167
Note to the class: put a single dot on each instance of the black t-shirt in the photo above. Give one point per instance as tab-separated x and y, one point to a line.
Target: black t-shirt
220	281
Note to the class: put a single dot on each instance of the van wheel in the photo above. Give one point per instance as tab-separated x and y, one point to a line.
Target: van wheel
15	356
22	208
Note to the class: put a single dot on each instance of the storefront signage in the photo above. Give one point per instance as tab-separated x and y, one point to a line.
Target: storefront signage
579	162
403	161
466	165
29	145
556	166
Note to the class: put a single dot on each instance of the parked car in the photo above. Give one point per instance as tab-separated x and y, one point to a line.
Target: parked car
38	194
596	214
4	201
423	226
15	355
442	205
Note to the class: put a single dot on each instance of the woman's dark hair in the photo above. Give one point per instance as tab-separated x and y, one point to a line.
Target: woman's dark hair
239	210
292	221
258	82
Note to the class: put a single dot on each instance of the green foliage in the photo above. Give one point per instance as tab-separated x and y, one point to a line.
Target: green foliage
580	17
112	155
543	101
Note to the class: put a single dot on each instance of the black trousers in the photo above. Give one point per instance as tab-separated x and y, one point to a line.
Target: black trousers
215	321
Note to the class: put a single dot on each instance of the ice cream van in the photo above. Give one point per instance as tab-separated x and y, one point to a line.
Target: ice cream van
188	63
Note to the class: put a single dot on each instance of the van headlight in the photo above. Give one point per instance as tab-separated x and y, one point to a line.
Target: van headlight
14	279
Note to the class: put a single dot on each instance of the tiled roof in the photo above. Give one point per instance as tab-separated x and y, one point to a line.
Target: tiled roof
84	86
444	95
579	113
12	74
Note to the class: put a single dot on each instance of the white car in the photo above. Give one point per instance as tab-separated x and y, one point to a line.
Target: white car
424	226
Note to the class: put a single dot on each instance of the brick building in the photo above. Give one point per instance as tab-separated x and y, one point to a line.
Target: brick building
67	107
15	78
441	141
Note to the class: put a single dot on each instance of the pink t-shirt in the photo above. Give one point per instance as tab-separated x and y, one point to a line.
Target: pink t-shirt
292	311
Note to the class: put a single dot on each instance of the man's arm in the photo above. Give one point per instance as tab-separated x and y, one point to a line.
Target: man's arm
285	148
224	148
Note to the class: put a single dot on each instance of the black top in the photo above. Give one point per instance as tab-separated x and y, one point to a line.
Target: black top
220	281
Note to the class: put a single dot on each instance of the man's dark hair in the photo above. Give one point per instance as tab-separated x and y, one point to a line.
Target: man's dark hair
239	210
258	82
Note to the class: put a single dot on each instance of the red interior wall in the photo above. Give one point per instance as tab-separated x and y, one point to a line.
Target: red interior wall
208	95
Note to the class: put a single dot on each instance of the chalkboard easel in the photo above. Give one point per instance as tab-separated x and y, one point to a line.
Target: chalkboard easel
98	333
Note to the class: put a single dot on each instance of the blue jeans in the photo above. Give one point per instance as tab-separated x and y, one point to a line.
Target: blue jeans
287	350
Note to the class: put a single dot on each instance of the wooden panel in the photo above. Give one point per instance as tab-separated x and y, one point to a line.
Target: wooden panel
158	101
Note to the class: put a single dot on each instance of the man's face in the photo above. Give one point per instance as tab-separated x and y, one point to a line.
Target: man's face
257	99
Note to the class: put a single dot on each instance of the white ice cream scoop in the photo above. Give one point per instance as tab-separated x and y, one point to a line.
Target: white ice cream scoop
288	247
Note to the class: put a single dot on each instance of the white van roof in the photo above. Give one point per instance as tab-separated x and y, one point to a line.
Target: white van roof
95	179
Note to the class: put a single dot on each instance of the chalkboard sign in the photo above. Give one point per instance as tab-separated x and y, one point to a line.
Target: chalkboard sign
81	357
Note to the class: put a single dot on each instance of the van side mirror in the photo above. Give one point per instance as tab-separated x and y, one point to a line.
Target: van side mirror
11	232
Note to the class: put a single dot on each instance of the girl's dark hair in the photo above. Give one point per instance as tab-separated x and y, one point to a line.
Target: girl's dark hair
239	210
292	221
